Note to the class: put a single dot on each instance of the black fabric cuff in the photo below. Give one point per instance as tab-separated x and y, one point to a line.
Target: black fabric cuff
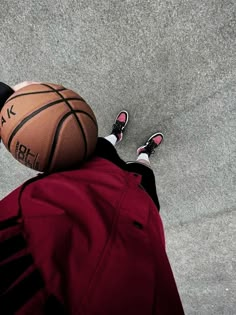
5	92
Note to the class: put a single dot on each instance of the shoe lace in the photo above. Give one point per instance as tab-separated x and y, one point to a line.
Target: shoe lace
151	147
117	127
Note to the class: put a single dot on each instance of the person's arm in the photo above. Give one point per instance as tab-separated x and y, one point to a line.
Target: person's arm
6	91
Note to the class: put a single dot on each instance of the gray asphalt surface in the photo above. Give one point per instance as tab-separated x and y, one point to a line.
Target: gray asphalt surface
172	65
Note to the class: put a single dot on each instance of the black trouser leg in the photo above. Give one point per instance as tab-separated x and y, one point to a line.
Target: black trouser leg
107	151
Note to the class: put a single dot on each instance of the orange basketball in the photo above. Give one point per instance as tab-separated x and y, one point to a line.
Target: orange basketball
48	127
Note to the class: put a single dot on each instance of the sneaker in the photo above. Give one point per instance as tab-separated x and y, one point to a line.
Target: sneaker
153	142
120	124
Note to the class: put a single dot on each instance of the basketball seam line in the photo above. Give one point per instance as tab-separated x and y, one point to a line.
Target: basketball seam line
59	126
55	139
76	118
30	93
32	115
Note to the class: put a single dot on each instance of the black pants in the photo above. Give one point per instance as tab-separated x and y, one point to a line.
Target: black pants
107	151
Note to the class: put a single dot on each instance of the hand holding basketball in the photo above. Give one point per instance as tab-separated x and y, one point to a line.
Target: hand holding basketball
23	84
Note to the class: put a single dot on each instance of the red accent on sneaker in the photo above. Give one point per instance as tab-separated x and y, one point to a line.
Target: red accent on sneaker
122	117
120	136
157	139
141	150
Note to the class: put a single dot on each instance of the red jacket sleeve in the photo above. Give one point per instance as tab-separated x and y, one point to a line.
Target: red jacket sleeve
5	92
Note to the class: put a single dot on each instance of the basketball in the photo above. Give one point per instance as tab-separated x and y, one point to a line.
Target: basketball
48	127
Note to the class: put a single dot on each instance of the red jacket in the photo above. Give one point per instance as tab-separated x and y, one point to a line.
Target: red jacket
98	241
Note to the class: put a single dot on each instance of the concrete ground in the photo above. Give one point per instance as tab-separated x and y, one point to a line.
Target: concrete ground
172	65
